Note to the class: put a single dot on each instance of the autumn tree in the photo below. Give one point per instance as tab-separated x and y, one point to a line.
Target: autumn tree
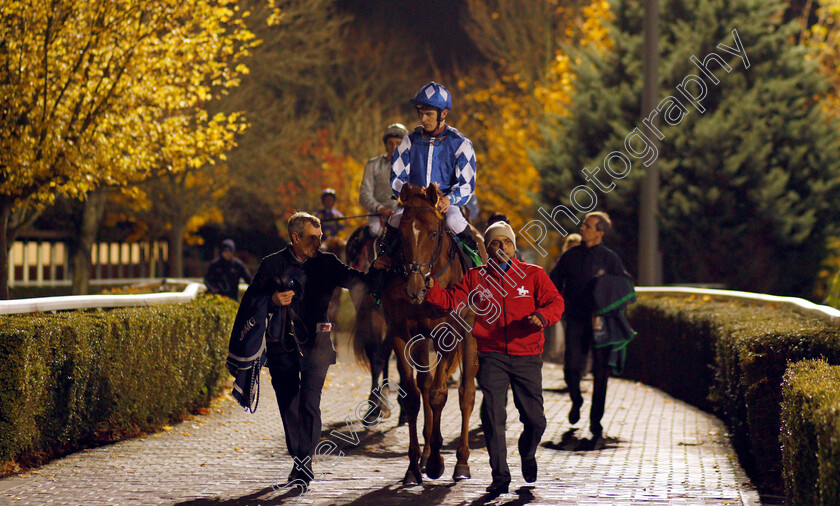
99	93
316	109
502	107
749	173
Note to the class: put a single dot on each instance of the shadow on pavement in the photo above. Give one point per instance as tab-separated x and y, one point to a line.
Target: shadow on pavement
370	440
570	442
525	496
563	390
476	440
398	494
266	496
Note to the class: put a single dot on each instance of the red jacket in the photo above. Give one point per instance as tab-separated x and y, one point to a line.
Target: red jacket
501	324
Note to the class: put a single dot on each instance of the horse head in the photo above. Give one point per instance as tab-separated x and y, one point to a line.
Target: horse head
424	238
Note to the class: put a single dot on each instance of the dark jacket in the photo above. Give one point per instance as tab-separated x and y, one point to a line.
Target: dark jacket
575	272
611	329
223	277
258	319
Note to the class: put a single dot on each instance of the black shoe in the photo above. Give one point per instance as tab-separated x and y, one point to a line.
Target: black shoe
597	431
304	475
498	487
574	413
529	469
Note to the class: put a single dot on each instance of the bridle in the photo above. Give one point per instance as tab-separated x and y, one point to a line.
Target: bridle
417	267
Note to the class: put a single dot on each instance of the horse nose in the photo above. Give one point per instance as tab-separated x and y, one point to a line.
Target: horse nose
417	298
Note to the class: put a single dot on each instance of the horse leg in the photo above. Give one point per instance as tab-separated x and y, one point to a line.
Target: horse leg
437	400
377	356
424	382
466	396
412	406
376	404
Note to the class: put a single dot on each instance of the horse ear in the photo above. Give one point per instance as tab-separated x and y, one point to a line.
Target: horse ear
404	193
432	193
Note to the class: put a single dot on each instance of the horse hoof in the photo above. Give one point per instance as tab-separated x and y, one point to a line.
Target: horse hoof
462	472
386	412
434	468
372	415
411	479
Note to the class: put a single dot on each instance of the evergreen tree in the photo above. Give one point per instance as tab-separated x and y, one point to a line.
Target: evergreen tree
748	185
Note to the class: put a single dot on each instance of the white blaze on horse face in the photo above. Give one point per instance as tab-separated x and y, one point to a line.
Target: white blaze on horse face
416	232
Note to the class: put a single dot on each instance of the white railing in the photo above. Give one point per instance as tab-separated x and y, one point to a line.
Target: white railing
829	313
102	301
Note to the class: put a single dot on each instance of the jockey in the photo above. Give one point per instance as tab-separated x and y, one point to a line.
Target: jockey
327	215
435	153
375	193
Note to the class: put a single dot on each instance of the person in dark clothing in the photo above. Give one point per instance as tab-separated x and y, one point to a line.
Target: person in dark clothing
300	280
574	276
509	347
224	273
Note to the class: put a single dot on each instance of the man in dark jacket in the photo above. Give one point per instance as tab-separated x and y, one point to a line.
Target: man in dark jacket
510	343
224	273
296	283
574	275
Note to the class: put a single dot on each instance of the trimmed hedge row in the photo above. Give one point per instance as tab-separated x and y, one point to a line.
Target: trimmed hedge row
70	379
728	357
811	432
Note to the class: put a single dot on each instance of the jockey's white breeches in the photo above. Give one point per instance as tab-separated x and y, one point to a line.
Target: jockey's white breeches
375	225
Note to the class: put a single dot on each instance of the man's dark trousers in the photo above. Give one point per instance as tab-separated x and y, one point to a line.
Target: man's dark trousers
578	343
298	382
524	376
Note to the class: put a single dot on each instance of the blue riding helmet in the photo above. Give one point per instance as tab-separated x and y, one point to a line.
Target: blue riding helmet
433	95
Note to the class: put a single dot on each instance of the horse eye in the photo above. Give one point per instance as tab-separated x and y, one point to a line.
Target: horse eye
433	234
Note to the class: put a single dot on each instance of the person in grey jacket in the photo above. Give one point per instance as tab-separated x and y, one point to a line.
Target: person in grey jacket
375	193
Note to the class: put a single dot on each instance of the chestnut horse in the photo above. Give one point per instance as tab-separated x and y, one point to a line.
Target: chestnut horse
369	340
428	250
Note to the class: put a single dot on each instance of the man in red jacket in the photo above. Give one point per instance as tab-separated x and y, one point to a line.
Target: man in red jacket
510	343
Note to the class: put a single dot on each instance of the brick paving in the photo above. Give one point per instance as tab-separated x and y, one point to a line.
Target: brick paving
658	451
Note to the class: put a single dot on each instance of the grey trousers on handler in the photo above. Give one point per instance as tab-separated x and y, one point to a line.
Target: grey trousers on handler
578	344
497	371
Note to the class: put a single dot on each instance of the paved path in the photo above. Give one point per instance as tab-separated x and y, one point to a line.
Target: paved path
659	451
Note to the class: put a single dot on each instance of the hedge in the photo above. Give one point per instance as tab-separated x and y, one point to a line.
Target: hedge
70	379
811	433
728	357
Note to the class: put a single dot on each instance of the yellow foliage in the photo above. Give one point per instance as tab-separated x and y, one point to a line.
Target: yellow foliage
505	114
824	38
103	93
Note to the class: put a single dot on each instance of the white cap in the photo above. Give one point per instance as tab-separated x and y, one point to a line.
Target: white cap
497	229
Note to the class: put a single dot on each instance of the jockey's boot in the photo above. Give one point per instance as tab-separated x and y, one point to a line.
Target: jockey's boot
387	244
470	246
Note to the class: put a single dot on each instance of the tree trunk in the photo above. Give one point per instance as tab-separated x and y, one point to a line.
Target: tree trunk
91	218
6	205
176	250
